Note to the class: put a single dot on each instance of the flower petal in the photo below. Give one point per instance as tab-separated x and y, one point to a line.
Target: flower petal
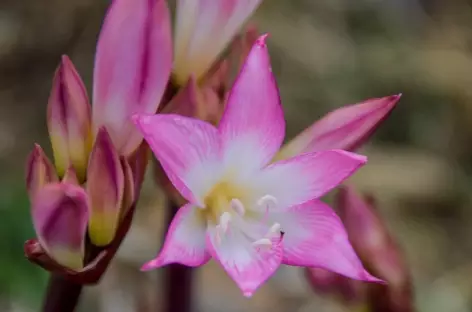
188	150
248	265
132	67
203	29
315	237
60	214
253	125
306	177
345	128
185	241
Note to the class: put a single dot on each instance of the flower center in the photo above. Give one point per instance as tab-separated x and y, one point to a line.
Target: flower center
229	208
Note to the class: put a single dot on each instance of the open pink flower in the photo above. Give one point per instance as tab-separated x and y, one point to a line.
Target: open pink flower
250	215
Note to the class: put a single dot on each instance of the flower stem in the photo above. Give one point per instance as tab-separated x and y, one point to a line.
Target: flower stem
62	295
177	279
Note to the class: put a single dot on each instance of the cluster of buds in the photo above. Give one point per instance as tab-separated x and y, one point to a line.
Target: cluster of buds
379	252
82	206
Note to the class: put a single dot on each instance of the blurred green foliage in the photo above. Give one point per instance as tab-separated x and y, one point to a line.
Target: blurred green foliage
18	277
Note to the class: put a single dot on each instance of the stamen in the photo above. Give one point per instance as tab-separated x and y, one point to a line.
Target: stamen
238	206
263	242
225	218
274	229
267	201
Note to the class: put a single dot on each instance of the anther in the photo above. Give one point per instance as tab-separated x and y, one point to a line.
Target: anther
238	206
267	201
263	242
274	229
225	218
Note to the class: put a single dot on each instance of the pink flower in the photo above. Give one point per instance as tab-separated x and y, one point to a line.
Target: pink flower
249	215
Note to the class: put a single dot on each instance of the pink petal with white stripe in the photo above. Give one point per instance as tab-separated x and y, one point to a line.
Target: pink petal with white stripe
188	150
308	176
315	237
132	66
185	241
253	125
203	29
246	263
345	128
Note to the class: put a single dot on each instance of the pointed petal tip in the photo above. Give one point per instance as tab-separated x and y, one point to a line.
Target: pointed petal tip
393	99
65	59
39	170
148	266
248	294
362	159
374	279
103	137
37	149
261	41
367	277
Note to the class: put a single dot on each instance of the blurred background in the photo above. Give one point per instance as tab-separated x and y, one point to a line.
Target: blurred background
326	54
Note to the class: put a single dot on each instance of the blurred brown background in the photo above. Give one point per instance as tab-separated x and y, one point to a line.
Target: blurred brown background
325	53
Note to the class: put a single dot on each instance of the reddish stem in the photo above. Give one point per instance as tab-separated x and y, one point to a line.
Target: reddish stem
177	279
62	295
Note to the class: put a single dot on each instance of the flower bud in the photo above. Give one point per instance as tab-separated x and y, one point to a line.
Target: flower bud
197	102
203	30
60	213
132	66
69	120
105	187
378	250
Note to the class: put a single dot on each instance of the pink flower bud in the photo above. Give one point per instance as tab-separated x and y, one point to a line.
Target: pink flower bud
69	120
203	30
132	67
60	214
378	250
105	187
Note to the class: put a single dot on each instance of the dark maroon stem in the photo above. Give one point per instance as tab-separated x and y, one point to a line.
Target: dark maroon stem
62	295
177	279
